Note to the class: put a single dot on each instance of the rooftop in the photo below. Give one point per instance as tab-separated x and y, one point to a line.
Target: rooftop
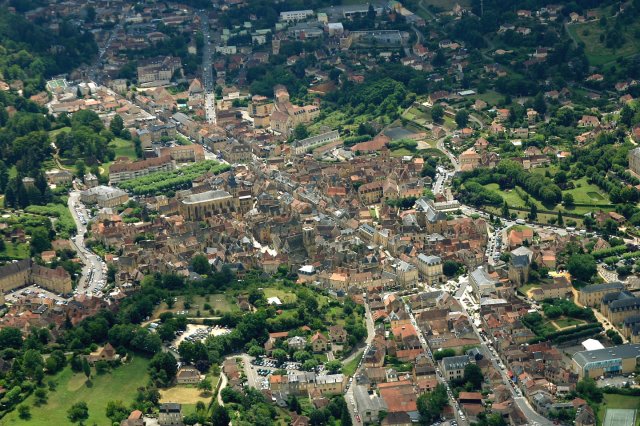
616	352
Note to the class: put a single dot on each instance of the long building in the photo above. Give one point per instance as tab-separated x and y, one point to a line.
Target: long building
592	295
26	272
620	359
119	172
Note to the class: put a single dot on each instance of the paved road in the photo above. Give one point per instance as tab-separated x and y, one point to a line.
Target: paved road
93	266
454	160
534	418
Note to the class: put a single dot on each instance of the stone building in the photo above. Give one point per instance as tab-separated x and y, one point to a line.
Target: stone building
25	272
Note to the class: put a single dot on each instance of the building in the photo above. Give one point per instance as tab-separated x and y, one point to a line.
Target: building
619	306
469	160
184	153
453	366
26	272
634	160
519	265
319	342
305	145
170	414
105	353
125	170
622	359
104	196
295	15
236	152
286	116
59	177
306	383
188	375
370	405
158	71
558	289
260	108
430	268
482	283
210	203
592	295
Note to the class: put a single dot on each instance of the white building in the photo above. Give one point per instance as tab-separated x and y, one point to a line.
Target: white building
295	15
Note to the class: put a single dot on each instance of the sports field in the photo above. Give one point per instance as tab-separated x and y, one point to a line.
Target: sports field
619	417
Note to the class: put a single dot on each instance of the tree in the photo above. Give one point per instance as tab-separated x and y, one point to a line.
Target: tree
437	113
533	213
205	385
220	416
164	362
81	168
86	368
300	132
78	413
582	266
505	210
568	200
294	404
117	411
117	125
539	104
473	376
200	264
450	268
40	240
345	419
41	396
10	338
430	404
24	412
279	355
462	118
560	219
588	389
333	367
443	353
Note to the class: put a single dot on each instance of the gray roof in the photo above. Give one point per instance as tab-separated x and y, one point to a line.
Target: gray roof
616	352
593	288
455	362
367	402
429	260
206	196
481	278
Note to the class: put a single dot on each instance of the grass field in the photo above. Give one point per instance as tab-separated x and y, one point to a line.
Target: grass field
350	368
15	251
121	384
283	295
567	322
597	52
618	402
218	302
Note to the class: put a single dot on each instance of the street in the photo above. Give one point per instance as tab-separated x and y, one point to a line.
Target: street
93	273
207	74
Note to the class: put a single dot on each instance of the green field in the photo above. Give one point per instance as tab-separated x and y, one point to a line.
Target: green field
218	302
284	296
350	368
567	322
121	384
596	51
618	401
15	251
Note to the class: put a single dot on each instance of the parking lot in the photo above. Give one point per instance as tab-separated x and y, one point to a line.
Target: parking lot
259	370
197	333
34	291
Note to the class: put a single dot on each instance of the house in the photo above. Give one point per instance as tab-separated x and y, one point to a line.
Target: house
170	414
453	366
134	419
337	334
588	121
106	353
319	342
297	343
188	375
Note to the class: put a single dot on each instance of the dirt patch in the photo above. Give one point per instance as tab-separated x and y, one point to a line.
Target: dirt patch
183	395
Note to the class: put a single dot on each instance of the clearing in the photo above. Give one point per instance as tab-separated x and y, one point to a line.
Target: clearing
120	384
218	302
285	297
597	52
618	407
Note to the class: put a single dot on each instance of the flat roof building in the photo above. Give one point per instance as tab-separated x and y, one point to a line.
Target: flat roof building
620	359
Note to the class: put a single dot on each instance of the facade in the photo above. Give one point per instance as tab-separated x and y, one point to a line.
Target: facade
119	172
634	160
208	204
285	116
482	283
305	145
170	414
59	177
184	153
188	375
519	265
592	295
104	196
453	366
158	71
260	108
621	359
295	15
430	267
304	383
619	306
24	272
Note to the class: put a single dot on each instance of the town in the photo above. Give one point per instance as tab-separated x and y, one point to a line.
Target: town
316	213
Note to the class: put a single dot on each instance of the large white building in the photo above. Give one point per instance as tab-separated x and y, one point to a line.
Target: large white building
295	15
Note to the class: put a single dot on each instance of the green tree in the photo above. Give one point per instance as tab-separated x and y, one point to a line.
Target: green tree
533	213
41	396
116	411
220	416
582	266
473	376
279	355
437	113
294	404
568	200
24	412
10	338
300	132
431	404
505	210
462	118
81	168
205	385
560	220
450	268
78	412
117	125
539	104
86	368
40	240
200	264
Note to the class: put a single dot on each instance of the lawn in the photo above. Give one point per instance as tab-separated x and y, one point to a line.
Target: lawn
596	51
218	302
567	322
284	295
350	367
121	384
586	193
491	97
401	152
14	251
617	401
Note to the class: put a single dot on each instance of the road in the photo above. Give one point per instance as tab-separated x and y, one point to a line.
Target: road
371	333
454	160
207	72
522	403
92	272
